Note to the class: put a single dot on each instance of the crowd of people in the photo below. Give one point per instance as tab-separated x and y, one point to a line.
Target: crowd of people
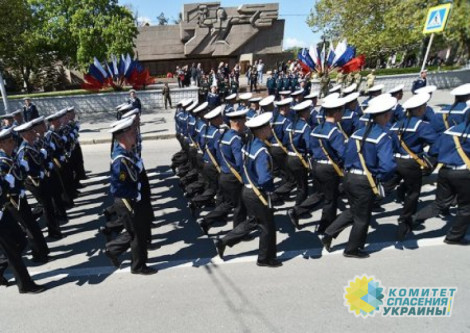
232	156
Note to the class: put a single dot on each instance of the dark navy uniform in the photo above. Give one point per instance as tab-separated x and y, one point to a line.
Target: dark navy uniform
297	140
449	116
271	85
125	187
30	112
17	205
228	151
213	100
32	161
327	146
377	149
454	177
257	171
415	134
350	121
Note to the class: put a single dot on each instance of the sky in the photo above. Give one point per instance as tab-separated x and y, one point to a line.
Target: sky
295	13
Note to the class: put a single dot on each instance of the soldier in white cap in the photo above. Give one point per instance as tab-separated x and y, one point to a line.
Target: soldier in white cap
258	187
368	162
451	115
414	134
125	188
229	155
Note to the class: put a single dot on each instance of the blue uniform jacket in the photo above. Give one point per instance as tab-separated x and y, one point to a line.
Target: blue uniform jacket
350	122
454	114
448	154
230	145
279	124
416	134
377	152
300	136
211	138
258	164
124	174
332	139
34	159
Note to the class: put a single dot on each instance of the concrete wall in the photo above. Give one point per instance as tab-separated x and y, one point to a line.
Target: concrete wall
151	99
443	80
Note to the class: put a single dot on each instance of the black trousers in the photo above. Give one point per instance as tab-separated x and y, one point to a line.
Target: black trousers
457	182
135	235
361	199
167	99
280	161
210	176
54	183
444	199
231	192
34	235
76	161
43	194
301	178
327	181
411	173
12	244
263	220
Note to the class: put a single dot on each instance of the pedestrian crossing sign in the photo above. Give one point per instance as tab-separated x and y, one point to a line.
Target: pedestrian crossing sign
437	18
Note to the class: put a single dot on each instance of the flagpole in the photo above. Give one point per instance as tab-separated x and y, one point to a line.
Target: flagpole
427	52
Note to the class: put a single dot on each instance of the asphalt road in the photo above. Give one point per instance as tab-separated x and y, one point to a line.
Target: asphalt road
195	291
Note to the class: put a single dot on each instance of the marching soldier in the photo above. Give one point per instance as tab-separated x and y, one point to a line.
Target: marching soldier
350	120
12	244
125	188
254	107
456	113
278	146
398	111
454	178
134	101
243	101
368	162
413	134
211	169
229	155
32	161
297	146
327	146
429	115
258	186
17	204
213	98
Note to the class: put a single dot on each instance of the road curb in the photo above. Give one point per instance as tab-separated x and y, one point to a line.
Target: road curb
144	138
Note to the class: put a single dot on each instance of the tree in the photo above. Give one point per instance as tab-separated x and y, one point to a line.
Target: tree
162	20
81	30
179	19
381	28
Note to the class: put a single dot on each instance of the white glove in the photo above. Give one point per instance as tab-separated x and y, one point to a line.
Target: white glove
10	180
43	152
25	165
52	145
62	158
139	197
51	165
64	138
41	175
22	194
139	186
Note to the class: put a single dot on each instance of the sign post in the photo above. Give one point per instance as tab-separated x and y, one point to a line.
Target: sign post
436	21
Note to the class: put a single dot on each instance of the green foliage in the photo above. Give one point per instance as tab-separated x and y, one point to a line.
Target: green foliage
380	28
40	33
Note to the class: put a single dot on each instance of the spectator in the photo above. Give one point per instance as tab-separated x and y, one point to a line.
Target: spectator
187	76
166	96
248	75
213	98
421	82
200	72
236	72
254	79
260	70
193	72
180	75
30	111
134	100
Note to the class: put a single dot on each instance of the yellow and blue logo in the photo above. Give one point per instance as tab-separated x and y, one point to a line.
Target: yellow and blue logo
363	296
